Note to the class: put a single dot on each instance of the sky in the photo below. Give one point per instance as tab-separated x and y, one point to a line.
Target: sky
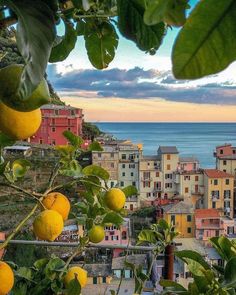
138	87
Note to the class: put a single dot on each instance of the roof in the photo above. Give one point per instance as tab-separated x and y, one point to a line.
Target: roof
57	107
223	145
17	147
214	173
149	158
206	213
138	259
178	208
97	269
188	159
167	150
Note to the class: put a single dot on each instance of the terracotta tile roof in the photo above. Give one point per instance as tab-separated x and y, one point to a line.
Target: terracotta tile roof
178	208
206	213
214	173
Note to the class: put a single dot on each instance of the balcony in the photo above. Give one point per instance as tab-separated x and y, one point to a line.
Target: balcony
146	179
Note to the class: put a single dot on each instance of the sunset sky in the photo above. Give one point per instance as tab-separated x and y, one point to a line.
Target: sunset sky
139	87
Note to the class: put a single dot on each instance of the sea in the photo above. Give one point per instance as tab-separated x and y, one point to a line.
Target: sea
192	139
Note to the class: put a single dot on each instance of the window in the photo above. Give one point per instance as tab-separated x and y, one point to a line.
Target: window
53	121
224	162
112	155
196	178
104	280
106	238
146	184
227	194
132	166
168	185
68	128
213	205
168	167
187	177
123	173
72	112
172	219
221	152
215	194
148	195
157	174
186	190
123	156
168	157
168	176
227	181
189	230
99	155
53	129
40	141
69	122
134	183
56	112
215	181
122	183
112	184
112	165
132	174
189	218
53	141
123	166
146	175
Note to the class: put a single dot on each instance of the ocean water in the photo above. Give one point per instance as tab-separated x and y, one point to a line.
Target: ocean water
191	139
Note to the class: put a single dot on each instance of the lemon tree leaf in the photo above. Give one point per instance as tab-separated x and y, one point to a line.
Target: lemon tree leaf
230	273
201	48
155	12
147	235
74	288
171	286
95	146
130	190
96	171
113	217
132	26
73	139
101	41
25	273
5	140
62	50
35	37
189	255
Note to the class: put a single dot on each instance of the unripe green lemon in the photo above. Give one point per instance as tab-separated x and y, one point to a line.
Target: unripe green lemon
96	234
9	81
115	199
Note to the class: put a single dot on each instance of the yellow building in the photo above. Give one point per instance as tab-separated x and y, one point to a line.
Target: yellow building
219	191
181	215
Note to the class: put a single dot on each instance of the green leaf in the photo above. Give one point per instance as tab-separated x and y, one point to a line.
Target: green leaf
25	273
96	171
201	48
132	26
224	247
73	139
54	265
146	235
65	151
155	12
175	14
62	50
72	169
130	191
95	146
171	286
230	273
74	288
192	255
20	167
5	140
113	218
41	263
101	42
35	37
113	292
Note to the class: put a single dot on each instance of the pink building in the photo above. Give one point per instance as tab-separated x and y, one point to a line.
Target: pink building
225	150
55	120
209	223
117	236
188	164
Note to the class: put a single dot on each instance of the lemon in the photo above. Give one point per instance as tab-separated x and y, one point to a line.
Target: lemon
96	234
10	77
19	125
78	273
48	225
115	199
6	278
57	202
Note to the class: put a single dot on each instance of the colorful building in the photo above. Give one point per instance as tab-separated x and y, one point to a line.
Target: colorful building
209	223
55	120
218	191
181	215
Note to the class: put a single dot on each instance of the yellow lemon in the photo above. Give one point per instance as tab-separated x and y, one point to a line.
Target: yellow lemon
48	225
10	77
96	234
19	125
6	278
57	202
115	199
78	273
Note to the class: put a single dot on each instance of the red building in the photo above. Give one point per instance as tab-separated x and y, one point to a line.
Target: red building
55	120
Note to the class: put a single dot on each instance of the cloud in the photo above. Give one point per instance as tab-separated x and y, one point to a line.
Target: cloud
138	83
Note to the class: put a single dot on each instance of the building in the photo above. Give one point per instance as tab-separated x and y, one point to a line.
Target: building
209	223
188	164
55	120
150	180
181	215
218	191
226	158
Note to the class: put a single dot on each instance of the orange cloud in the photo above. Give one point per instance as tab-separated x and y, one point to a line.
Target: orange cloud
150	110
